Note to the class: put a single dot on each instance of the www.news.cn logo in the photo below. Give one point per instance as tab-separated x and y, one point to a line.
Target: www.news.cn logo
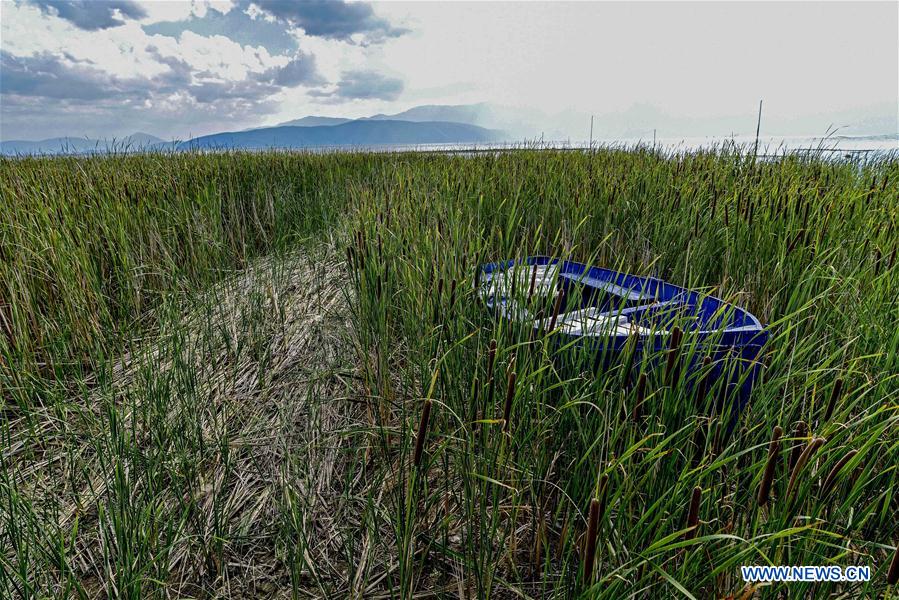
805	573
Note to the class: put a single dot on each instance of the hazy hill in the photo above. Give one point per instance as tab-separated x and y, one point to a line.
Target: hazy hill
514	123
313	121
69	145
352	133
485	122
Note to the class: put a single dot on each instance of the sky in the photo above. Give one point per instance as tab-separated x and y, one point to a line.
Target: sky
178	69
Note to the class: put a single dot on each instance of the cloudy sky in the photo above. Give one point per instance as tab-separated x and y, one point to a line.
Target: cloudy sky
175	69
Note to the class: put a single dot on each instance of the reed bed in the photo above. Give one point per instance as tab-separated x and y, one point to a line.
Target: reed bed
164	436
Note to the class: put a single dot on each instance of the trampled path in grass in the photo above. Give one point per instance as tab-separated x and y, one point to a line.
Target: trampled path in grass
215	373
206	451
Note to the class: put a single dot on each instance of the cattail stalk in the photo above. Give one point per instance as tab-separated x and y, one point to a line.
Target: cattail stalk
831	478
556	308
538	540
799	432
835	394
893	573
602	495
452	300
491	380
422	433
810	449
437	299
640	396
510	395
673	353
590	552
629	360
491	358
699	439
537	327
533	283
563	537
693	514
702	389
770	466
475	396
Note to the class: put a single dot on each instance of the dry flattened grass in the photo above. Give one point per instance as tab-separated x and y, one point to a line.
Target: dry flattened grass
238	415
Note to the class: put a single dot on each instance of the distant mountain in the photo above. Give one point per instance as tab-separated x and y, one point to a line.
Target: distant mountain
484	123
515	123
313	121
359	133
81	145
471	114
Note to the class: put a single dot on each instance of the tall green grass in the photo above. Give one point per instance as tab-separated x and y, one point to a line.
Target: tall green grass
90	245
521	444
140	488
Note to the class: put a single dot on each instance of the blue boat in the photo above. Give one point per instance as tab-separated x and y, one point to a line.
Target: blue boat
602	310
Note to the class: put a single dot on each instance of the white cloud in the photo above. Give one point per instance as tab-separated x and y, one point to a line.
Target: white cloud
257	13
121	69
117	50
178	10
123	51
217	54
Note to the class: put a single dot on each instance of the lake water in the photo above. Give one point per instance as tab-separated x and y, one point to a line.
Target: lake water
767	146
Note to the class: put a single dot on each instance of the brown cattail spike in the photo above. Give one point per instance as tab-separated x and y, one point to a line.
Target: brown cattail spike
770	466
556	308
590	551
422	432
639	397
602	495
676	337
893	573
452	300
835	394
831	478
533	283
693	514
810	449
673	352
510	395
